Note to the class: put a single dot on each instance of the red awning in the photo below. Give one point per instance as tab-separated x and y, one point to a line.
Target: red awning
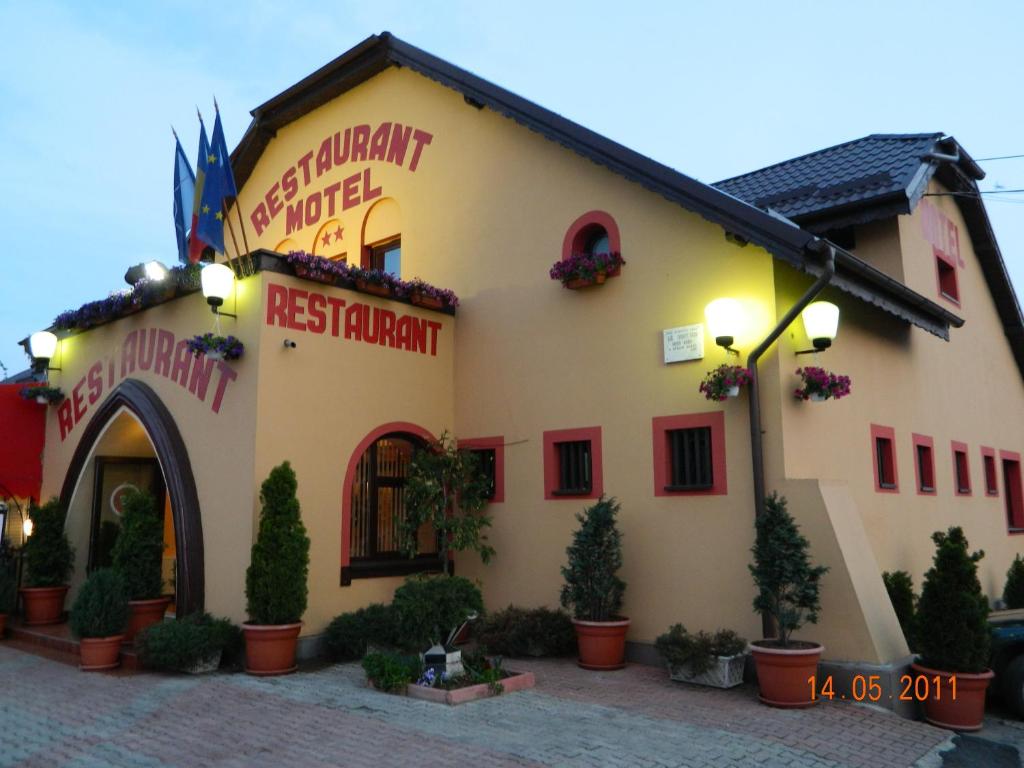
22	433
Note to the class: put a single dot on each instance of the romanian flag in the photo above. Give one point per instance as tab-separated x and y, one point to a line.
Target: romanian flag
184	197
195	244
219	184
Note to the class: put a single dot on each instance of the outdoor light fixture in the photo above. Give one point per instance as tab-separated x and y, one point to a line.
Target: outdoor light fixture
217	280
41	346
27	527
153	271
725	320
821	322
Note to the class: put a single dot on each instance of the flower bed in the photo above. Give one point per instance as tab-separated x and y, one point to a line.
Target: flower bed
480	678
513	681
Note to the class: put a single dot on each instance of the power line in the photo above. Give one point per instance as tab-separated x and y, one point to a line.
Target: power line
1001	157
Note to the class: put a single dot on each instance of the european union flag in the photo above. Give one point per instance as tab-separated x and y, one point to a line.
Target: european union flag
196	244
184	192
218	185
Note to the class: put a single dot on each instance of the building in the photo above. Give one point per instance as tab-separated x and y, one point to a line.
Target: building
389	157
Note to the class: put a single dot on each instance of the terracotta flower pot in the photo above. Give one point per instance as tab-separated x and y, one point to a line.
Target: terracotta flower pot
602	644
99	652
422	300
376	289
963	713
782	673
43	605
145	613
270	648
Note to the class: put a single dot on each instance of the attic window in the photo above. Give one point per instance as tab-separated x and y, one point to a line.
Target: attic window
593	232
946	274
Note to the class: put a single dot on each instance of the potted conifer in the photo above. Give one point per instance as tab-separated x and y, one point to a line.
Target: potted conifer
952	636
788	587
138	557
275	583
8	595
49	560
592	590
98	619
1013	592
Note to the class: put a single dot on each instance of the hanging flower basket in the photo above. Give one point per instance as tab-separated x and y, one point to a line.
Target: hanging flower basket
216	347
42	394
819	384
582	270
724	382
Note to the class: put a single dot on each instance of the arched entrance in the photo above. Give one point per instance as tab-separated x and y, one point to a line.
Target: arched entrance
144	404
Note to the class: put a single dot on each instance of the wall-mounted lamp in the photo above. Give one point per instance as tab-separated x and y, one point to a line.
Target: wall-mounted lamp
725	321
154	271
821	323
217	281
27	527
42	345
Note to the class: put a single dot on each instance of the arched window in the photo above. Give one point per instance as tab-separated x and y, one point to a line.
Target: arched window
378	508
593	232
382	237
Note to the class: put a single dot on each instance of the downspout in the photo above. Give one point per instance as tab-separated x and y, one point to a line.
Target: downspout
756	434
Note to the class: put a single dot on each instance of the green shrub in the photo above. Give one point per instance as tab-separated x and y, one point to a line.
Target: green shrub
679	648
900	587
429	608
8	589
390	671
49	558
788	585
592	590
1013	592
527	632
951	628
138	551
101	608
348	635
276	582
177	646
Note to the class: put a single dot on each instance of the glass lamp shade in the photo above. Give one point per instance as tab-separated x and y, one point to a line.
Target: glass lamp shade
27	527
217	280
42	345
155	271
725	319
821	320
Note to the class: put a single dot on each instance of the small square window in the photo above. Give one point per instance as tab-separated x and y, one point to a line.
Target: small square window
690	459
947	279
574	468
925	469
1014	490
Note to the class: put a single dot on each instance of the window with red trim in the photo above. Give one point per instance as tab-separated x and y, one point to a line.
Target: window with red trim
1014	491
945	270
961	469
689	454
593	232
924	464
572	464
988	459
490	451
884	459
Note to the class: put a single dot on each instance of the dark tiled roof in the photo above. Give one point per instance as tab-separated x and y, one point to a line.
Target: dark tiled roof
868	169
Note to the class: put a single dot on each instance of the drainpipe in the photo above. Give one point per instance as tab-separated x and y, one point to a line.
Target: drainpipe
756	434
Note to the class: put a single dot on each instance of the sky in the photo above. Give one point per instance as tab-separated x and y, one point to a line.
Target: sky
89	92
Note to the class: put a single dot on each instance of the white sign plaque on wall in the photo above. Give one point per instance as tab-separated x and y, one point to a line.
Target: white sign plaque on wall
684	343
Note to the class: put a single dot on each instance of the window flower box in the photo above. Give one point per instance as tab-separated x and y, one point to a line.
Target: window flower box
582	270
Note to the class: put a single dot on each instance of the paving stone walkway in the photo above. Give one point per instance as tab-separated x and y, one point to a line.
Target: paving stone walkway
53	715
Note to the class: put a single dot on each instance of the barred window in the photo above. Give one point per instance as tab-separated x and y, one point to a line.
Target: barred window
574	468
690	459
487	463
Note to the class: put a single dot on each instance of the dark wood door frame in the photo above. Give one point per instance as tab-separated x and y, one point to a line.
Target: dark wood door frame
149	409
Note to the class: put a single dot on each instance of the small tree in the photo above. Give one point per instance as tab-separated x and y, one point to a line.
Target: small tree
101	608
429	608
1013	592
447	490
49	558
276	581
900	587
138	550
951	628
787	583
592	590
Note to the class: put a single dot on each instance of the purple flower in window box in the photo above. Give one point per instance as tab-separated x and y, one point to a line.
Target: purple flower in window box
586	268
42	394
724	382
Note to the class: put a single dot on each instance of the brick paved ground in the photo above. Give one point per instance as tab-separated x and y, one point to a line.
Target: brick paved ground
53	715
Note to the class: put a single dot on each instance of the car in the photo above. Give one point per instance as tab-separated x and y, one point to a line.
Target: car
1007	657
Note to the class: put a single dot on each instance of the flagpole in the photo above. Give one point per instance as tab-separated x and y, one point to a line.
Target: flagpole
245	240
234	242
